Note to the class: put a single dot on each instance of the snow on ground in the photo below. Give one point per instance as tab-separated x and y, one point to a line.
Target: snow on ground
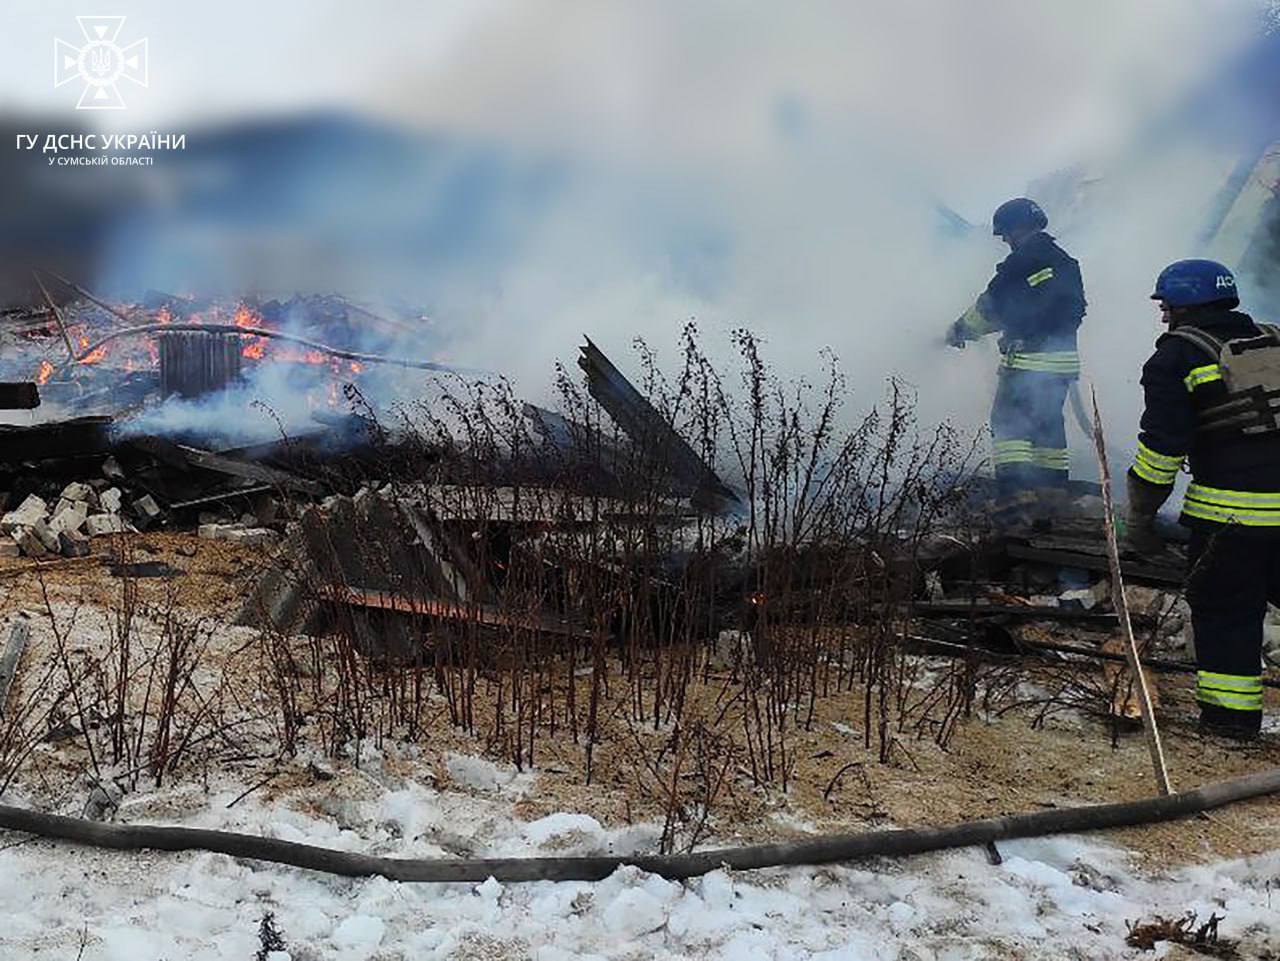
1064	897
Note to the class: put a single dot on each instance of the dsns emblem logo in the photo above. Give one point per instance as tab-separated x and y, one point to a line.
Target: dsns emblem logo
100	64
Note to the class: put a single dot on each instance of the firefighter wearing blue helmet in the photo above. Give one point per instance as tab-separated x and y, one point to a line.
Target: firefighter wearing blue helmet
1035	302
1212	396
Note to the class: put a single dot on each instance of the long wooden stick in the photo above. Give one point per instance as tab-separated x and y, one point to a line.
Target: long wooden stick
824	849
1149	726
57	314
12	657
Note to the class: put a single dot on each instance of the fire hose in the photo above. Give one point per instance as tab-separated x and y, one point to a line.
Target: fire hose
274	334
826	849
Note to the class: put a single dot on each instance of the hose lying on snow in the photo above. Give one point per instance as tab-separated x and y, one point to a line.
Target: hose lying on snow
819	850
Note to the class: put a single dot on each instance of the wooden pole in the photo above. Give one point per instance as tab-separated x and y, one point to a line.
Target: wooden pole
57	314
12	657
1149	726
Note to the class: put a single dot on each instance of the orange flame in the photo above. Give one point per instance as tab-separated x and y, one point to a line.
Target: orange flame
45	372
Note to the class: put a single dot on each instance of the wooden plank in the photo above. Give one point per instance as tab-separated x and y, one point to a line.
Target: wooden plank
179	455
1162	575
18	636
1033	611
448	610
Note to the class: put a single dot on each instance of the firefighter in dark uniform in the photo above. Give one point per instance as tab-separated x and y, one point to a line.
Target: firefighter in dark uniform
1212	393
1036	303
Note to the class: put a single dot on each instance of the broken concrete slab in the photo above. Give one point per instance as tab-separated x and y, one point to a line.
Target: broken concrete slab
146	507
9	547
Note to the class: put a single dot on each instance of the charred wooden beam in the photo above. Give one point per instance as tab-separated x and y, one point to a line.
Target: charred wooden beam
19	395
79	437
181	456
448	610
651	433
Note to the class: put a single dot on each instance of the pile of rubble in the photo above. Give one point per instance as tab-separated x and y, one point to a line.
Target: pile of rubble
82	511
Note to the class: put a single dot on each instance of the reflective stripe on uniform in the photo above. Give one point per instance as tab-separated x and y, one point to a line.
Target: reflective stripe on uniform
1011	452
1154	467
1202	375
1051	458
1040	276
1238	692
1250	509
1045	362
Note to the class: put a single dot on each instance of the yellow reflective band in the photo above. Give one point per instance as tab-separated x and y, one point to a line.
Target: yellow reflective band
1047	362
1218	497
1240	683
1040	276
1234	702
1051	458
1202	375
1154	467
1232	507
1011	451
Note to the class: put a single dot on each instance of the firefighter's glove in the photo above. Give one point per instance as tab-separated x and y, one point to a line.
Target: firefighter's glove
1140	534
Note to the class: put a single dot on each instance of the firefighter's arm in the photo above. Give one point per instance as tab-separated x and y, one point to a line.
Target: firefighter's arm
1167	429
978	321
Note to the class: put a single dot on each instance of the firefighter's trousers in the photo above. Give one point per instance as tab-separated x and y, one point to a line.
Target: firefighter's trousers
1233	574
1029	437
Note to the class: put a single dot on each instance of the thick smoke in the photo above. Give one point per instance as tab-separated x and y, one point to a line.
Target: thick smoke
800	170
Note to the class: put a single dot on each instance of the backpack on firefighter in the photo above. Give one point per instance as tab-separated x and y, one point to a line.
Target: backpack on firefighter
1249	368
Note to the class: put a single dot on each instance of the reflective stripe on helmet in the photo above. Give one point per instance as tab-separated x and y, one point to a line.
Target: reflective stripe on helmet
1202	375
1154	467
1247	508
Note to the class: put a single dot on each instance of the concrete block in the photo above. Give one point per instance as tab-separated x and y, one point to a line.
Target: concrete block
47	537
9	547
250	536
69	518
78	492
73	544
30	544
146	507
96	524
111	500
215	532
27	513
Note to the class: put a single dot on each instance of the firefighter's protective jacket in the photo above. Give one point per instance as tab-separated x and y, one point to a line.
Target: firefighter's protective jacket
1235	476
1036	301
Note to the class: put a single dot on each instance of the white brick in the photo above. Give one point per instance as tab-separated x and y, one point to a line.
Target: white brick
146	506
70	518
28	512
251	536
30	544
110	500
47	537
96	524
78	492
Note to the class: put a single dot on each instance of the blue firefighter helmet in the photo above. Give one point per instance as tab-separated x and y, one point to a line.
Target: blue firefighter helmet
1191	283
1017	214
